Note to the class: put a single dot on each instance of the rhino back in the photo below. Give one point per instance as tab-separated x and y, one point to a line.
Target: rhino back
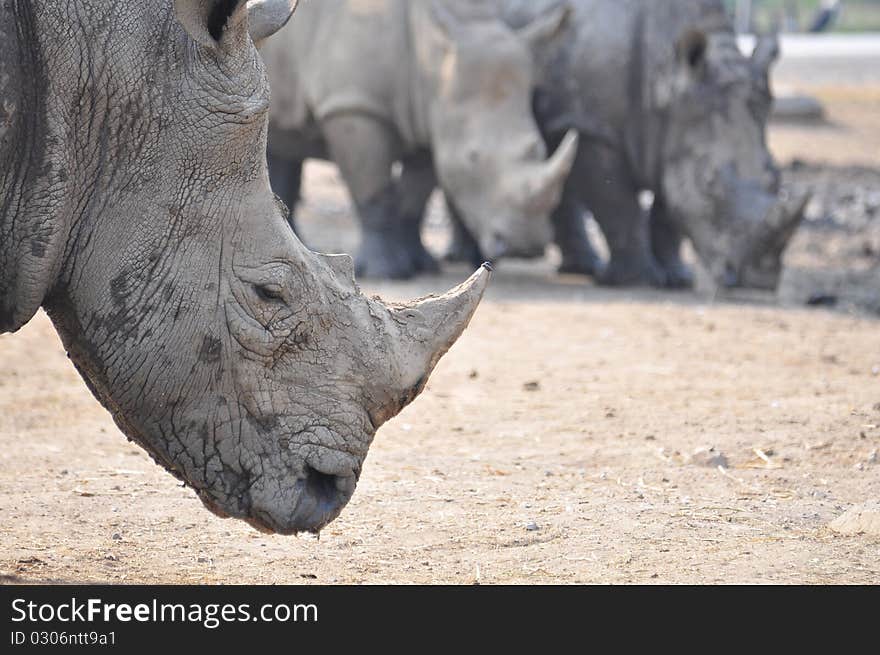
607	71
339	56
584	76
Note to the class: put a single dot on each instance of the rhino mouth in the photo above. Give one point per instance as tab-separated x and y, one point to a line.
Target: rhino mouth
318	499
762	264
762	274
499	248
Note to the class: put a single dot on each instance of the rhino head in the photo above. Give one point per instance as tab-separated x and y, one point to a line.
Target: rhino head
489	154
250	367
718	179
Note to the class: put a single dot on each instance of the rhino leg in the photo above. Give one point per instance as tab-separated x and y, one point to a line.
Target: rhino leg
666	240
610	194
363	149
416	184
570	234
285	176
463	247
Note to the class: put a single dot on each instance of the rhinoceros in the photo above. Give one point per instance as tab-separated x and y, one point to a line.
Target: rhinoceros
443	89
135	207
664	102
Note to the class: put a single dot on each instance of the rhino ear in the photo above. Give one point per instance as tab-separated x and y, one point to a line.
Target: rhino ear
690	50
213	23
445	19
546	26
265	17
765	54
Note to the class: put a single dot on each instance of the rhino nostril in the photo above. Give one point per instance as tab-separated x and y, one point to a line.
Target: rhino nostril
498	247
322	486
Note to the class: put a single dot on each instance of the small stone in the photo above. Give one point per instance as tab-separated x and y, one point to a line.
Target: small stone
859	519
532	386
822	300
117	536
532	526
708	456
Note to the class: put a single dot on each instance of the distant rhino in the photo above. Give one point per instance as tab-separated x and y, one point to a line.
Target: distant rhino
665	102
440	86
135	208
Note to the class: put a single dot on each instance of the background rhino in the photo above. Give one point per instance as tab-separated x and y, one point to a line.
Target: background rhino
436	85
664	101
135	207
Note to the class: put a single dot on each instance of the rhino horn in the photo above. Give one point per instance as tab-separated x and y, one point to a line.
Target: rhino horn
265	17
787	214
425	330
547	25
780	218
553	173
766	52
445	19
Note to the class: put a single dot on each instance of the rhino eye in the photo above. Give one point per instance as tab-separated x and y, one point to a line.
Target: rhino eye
219	17
269	292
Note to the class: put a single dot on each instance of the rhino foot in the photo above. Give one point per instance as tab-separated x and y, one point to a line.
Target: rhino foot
385	261
622	272
425	262
464	251
590	266
387	256
422	261
678	276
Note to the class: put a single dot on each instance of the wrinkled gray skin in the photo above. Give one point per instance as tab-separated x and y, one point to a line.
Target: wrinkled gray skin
442	87
664	101
135	207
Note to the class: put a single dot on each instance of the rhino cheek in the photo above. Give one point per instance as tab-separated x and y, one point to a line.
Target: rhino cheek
289	464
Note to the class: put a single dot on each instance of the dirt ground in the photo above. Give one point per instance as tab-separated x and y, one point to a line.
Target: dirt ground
573	435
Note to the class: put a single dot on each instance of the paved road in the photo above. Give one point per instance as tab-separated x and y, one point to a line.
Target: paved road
826	59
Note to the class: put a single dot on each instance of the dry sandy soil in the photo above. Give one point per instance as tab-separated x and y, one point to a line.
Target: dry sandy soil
565	439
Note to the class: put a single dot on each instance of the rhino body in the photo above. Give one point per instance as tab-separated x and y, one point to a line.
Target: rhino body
664	102
135	207
441	87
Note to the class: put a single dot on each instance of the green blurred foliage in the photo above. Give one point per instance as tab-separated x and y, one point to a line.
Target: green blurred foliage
855	16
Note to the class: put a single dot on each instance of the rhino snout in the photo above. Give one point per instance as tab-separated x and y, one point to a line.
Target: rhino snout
516	240
317	498
763	270
496	248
